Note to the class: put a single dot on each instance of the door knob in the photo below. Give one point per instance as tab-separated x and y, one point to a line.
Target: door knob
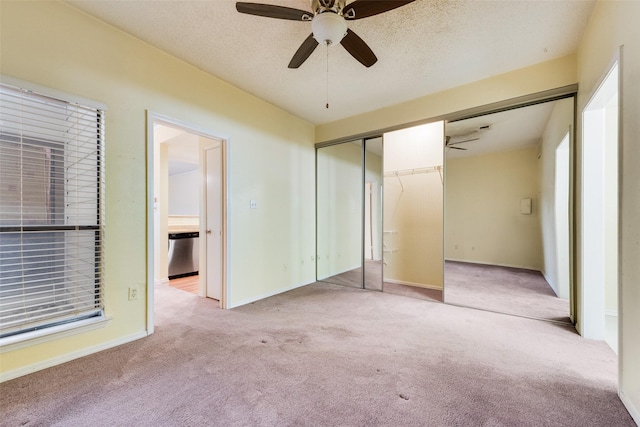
208	231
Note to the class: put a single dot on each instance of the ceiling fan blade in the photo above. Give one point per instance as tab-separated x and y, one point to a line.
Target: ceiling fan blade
304	51
358	49
364	8
273	11
457	148
462	142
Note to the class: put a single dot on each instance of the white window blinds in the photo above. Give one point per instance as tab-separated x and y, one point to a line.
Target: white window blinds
51	211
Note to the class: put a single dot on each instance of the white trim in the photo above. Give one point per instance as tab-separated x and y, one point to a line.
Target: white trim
156	118
633	411
521	267
52	93
153	117
611	313
9	375
226	224
161	281
592	288
416	285
150	224
268	294
27	339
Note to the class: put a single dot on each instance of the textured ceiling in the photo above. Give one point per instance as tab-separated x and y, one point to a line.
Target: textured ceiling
424	47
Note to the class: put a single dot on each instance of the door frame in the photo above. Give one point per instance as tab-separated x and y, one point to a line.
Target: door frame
157	118
592	319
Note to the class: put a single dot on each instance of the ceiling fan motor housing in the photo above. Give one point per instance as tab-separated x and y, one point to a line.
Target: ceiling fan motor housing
328	28
328	23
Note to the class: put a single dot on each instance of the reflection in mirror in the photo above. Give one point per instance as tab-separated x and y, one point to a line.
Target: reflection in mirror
373	214
413	211
507	211
339	214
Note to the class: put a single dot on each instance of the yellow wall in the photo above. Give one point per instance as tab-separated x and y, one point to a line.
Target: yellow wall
483	221
537	78
413	209
53	45
615	23
271	161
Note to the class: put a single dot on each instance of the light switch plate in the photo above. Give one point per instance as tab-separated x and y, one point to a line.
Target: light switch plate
526	206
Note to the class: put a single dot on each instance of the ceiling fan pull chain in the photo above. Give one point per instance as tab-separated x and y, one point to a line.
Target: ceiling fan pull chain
327	105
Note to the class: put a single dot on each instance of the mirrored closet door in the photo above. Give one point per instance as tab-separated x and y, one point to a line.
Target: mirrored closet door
339	220
373	196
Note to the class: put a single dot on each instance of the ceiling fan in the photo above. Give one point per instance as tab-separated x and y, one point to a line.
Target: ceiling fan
452	145
462	137
328	23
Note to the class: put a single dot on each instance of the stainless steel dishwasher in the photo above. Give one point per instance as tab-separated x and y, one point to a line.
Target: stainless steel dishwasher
183	254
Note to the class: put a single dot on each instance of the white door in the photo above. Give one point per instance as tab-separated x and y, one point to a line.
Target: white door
213	218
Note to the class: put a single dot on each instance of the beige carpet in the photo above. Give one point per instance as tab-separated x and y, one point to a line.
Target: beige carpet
373	281
326	355
504	290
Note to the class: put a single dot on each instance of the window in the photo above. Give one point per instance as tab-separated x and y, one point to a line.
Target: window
51	211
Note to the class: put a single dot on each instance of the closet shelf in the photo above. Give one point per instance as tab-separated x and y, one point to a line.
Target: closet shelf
413	171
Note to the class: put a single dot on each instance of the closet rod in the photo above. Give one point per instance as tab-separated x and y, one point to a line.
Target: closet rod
413	171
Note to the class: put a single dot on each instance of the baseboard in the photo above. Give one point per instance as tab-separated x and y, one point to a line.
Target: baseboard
417	285
6	376
164	281
522	267
611	313
633	411
268	294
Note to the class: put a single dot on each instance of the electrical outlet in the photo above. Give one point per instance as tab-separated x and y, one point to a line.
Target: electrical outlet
133	293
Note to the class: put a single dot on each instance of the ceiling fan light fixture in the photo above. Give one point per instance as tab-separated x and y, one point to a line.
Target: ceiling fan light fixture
328	28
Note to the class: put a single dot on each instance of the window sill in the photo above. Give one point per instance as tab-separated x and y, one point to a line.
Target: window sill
53	333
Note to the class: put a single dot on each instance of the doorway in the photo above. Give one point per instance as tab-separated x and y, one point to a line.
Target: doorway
186	187
600	213
414	212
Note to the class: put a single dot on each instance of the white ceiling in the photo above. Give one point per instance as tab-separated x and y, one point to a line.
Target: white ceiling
507	130
183	148
422	48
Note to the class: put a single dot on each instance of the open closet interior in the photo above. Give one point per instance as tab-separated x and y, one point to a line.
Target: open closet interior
380	212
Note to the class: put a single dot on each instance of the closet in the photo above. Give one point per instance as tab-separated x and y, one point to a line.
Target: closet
380	212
